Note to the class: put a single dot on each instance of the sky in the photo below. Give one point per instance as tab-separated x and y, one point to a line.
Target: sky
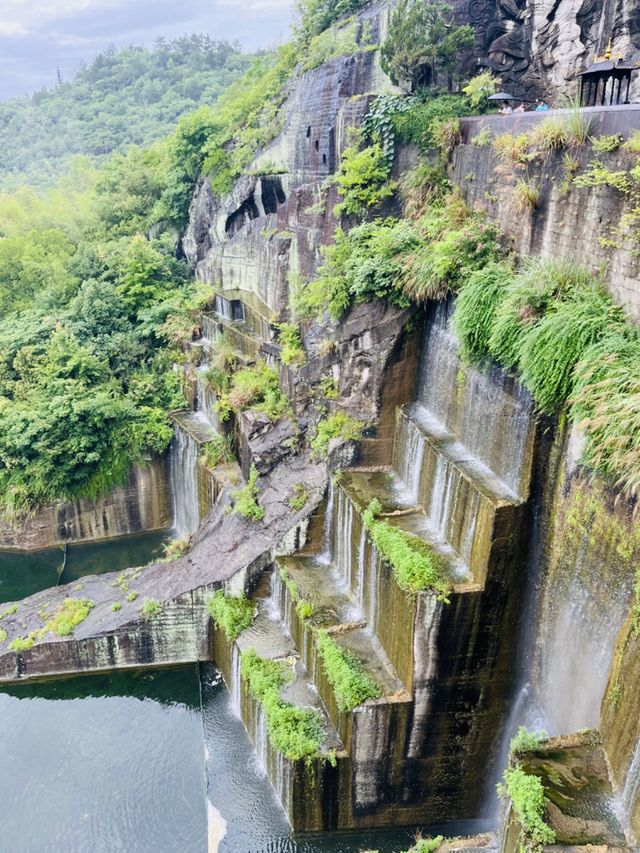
39	36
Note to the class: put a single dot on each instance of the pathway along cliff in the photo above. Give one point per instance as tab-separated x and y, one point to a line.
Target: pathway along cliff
406	539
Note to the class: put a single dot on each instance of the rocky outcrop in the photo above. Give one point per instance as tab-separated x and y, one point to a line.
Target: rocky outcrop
537	48
263	237
142	505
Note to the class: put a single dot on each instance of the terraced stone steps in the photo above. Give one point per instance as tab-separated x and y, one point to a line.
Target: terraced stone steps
300	583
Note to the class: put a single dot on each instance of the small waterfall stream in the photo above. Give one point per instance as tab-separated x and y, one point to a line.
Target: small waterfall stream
183	466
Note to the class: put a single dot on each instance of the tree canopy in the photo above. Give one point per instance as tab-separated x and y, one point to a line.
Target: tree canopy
425	45
124	97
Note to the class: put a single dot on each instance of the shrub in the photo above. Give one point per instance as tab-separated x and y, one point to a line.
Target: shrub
304	609
512	149
116	606
217	452
478	90
537	285
295	732
175	549
476	308
427	845
633	143
245	500
151	608
256	387
606	404
131	597
607	143
418	122
446	134
291	343
422	186
352	685
299	498
482	138
553	346
552	133
339	425
233	614
526	793
526	741
362	180
416	565
598	175
526	195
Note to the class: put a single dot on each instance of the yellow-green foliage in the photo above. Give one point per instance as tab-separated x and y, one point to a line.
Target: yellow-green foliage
218	451
10	611
362	180
256	387
339	425
293	731
233	614
416	565
512	149
551	133
247	117
151	608
68	616
352	685
3	635
291	343
606	144
299	498
598	175
526	793
427	845
526	195
334	42
245	500
526	741
174	549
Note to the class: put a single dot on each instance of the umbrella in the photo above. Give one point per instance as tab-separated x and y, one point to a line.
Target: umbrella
501	96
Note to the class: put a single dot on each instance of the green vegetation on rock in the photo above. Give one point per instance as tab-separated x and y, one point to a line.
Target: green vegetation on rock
293	731
351	683
526	741
245	500
415	564
233	614
337	426
151	608
256	387
362	179
62	622
526	794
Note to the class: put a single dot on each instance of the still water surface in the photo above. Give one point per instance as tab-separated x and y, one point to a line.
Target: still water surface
23	573
142	762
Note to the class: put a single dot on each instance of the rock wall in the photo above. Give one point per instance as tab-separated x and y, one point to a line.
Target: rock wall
143	504
537	48
263	237
577	223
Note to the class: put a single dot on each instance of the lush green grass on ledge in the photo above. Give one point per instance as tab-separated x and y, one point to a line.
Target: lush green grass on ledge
416	565
293	731
352	685
232	614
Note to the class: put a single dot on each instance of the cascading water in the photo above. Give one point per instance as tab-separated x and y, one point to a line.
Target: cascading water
206	400
183	468
486	411
631	789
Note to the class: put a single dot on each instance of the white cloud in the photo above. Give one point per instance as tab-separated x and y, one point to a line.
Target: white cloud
20	17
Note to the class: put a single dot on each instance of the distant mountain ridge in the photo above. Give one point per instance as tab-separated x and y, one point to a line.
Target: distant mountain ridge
129	96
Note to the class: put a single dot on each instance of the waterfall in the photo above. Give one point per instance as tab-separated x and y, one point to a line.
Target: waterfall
235	688
183	468
631	789
408	457
210	329
206	400
488	412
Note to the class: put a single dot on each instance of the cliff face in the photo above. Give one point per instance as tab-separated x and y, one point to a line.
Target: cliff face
538	47
264	237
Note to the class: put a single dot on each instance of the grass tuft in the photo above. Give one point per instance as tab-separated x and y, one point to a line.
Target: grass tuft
245	500
352	685
230	613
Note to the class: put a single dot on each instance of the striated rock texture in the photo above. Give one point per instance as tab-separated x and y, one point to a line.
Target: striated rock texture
583	224
143	504
537	48
262	238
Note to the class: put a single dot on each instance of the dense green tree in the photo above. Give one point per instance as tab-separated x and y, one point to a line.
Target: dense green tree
425	45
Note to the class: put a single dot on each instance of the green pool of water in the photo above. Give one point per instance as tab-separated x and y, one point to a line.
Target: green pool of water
143	762
23	573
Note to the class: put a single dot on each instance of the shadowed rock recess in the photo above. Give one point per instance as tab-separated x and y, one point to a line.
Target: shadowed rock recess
408	691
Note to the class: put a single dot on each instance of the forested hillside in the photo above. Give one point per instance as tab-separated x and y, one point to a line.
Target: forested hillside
129	96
